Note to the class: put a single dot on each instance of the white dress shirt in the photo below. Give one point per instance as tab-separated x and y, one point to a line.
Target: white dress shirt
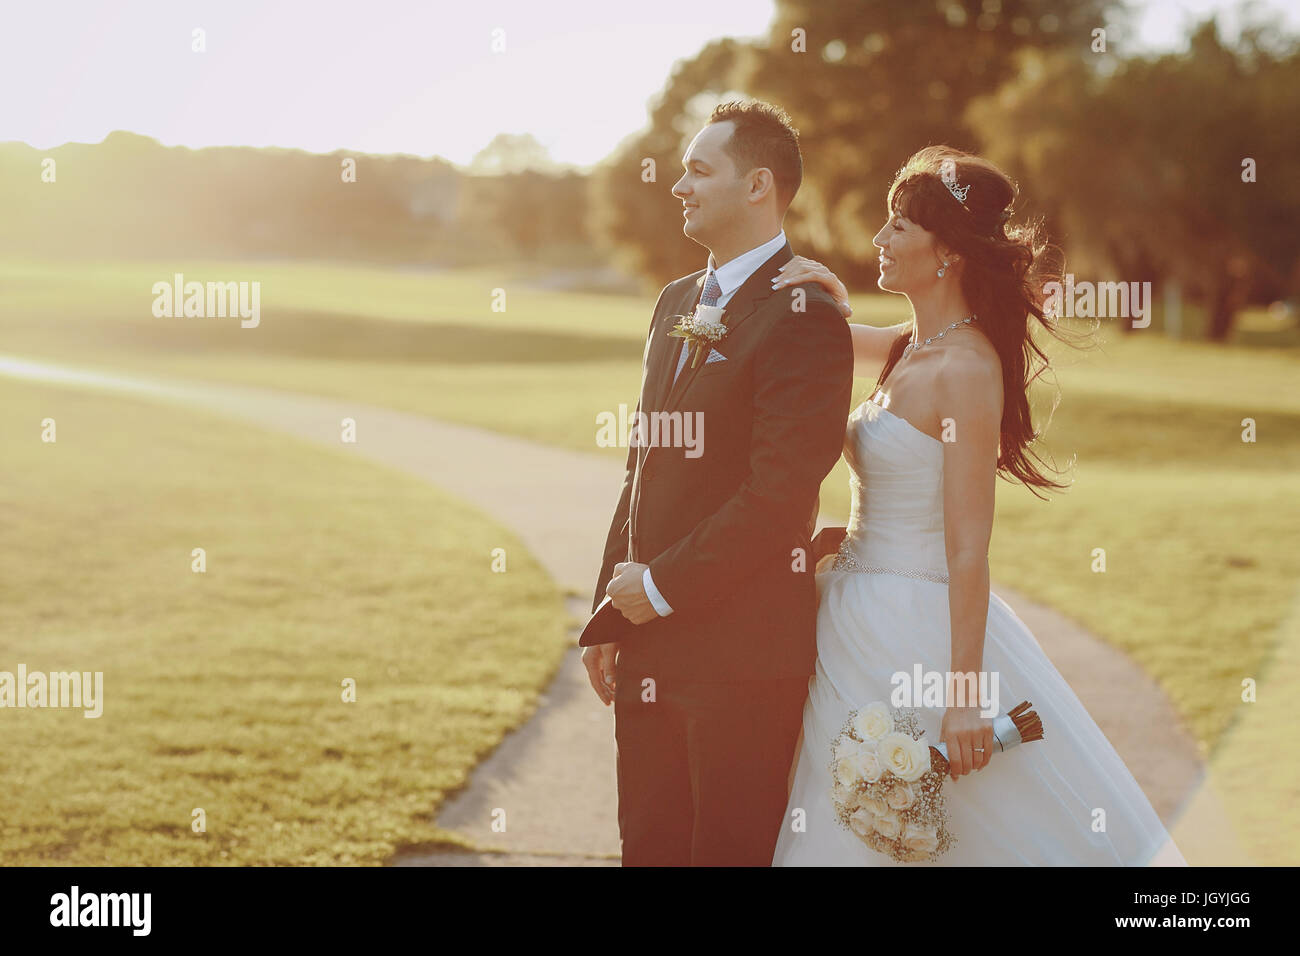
730	276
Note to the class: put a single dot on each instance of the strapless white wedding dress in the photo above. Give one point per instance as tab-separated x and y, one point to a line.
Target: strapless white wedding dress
884	609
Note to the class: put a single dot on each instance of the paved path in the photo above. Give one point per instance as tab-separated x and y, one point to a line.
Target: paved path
555	775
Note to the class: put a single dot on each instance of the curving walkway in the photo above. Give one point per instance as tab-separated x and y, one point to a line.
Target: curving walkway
555	775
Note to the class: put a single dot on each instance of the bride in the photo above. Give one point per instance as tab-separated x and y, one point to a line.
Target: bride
909	590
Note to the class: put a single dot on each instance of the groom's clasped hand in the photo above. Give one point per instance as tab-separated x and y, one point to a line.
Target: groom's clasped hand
626	591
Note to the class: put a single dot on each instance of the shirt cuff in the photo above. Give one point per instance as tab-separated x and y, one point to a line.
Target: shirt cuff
656	599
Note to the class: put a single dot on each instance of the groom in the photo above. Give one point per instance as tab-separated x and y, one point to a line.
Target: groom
708	555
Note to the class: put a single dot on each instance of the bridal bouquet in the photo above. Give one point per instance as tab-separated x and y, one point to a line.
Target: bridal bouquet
888	781
703	327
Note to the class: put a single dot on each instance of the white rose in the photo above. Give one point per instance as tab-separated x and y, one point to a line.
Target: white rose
904	757
868	764
708	314
873	722
860	822
901	796
889	825
877	806
846	772
920	839
845	746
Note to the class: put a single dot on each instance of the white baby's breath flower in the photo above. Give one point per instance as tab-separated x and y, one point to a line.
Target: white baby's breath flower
844	746
841	795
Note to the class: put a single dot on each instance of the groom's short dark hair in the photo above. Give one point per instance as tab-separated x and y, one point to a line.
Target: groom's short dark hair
764	136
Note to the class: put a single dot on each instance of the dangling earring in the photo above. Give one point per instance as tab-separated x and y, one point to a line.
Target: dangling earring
940	272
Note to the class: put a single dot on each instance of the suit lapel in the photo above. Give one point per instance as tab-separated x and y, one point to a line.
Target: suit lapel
756	290
670	350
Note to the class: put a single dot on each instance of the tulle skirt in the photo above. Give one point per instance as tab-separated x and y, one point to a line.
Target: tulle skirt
1067	799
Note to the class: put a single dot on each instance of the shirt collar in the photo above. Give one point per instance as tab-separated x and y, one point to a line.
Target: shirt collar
733	275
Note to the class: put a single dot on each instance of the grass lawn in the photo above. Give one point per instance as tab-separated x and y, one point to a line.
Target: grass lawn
223	690
1198	527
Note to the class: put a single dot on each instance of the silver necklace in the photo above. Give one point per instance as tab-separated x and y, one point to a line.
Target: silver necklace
912	346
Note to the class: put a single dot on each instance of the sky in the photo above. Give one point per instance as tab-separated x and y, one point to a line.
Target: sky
382	76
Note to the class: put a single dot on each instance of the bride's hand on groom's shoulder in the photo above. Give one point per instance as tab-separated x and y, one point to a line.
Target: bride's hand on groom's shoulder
800	269
969	738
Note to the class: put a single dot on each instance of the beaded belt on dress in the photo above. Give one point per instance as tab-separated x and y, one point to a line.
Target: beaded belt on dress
846	560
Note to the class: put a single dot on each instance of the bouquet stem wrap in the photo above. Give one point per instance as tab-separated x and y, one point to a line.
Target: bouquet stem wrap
1018	726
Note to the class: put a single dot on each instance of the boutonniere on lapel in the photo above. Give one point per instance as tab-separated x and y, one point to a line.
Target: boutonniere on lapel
702	329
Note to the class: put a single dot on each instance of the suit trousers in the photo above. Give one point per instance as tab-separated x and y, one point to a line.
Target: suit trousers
703	767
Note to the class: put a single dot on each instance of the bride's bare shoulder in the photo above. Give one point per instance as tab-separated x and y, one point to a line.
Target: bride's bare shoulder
971	372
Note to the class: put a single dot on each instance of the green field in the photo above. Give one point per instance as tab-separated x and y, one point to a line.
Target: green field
1198	527
223	689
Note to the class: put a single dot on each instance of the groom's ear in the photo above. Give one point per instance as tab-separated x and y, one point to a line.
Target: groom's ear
761	184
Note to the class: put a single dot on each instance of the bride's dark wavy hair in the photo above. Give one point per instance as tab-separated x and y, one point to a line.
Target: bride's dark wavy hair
1004	269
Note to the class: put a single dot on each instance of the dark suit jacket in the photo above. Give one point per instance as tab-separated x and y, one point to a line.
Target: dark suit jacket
720	531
